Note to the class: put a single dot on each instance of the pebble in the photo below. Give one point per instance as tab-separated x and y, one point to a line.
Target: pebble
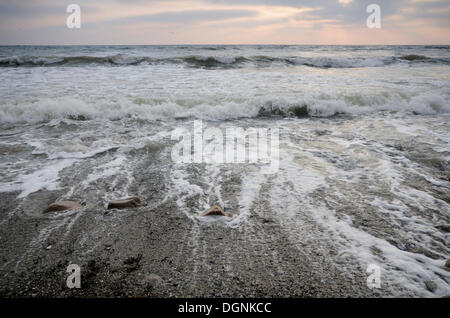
431	286
63	206
128	203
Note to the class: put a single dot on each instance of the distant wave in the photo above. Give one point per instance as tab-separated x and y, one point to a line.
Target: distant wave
211	62
437	47
70	60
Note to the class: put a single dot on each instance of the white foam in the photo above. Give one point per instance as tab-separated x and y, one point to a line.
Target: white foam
322	103
43	178
409	270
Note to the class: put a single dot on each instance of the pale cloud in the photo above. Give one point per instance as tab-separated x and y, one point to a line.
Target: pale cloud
225	21
345	2
439	10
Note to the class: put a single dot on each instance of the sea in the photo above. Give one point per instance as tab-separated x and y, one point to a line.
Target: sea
363	154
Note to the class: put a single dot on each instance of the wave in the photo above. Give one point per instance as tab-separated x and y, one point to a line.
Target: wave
198	61
437	47
414	57
211	61
76	110
71	60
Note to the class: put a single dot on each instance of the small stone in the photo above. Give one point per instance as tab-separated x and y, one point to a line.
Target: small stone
431	286
444	227
128	203
215	210
152	280
447	263
63	206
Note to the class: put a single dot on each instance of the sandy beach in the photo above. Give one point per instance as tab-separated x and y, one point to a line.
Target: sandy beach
190	259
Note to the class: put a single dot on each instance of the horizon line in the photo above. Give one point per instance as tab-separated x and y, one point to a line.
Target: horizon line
230	44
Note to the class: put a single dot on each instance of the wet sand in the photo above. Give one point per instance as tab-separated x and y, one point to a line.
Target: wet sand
159	252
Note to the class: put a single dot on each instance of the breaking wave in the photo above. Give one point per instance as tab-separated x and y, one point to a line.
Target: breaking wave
74	109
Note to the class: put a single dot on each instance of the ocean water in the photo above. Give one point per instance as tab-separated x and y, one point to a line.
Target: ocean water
364	141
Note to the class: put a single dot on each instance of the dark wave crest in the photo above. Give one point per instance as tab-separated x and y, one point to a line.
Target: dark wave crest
211	62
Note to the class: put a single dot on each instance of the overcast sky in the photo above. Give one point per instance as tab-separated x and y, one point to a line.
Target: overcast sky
224	22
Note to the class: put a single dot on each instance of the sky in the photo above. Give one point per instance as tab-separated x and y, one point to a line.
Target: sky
128	22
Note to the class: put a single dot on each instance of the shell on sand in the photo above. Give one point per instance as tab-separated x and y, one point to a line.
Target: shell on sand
215	210
127	203
63	206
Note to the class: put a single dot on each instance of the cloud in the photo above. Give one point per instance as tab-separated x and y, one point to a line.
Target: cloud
22	9
188	16
236	21
345	2
27	9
